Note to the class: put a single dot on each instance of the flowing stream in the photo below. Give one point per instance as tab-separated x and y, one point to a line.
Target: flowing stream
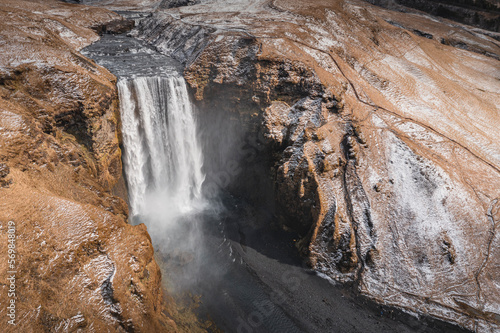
163	158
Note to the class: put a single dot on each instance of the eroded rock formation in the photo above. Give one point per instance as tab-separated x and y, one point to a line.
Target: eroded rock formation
382	139
79	265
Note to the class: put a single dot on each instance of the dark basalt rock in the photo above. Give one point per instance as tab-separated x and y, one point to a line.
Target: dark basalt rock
4	170
483	14
177	3
115	27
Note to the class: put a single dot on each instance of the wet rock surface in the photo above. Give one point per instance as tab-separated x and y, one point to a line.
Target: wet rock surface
380	137
79	265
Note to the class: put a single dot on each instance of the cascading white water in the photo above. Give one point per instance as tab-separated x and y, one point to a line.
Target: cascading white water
163	158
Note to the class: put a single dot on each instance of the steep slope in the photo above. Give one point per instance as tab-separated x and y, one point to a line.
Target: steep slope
79	265
382	140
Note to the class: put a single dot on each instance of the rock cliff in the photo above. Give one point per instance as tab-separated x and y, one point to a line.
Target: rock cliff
379	131
79	265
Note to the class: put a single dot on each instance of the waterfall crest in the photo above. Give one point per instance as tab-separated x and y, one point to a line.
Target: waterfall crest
163	157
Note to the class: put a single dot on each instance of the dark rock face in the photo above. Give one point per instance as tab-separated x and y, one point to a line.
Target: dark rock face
4	170
165	4
484	14
170	36
115	27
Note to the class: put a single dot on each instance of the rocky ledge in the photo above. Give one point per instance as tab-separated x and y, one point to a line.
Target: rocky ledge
78	265
381	139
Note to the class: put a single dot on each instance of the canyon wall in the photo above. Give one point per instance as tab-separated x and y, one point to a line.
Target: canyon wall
79	265
379	130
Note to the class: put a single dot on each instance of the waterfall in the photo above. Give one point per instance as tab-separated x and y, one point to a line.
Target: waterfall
162	157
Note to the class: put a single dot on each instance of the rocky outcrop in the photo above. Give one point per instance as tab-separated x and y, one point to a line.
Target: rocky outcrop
165	4
115	27
135	5
484	14
78	265
380	138
121	5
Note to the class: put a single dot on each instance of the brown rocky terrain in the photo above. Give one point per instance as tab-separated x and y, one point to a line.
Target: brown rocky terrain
381	139
80	266
378	129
